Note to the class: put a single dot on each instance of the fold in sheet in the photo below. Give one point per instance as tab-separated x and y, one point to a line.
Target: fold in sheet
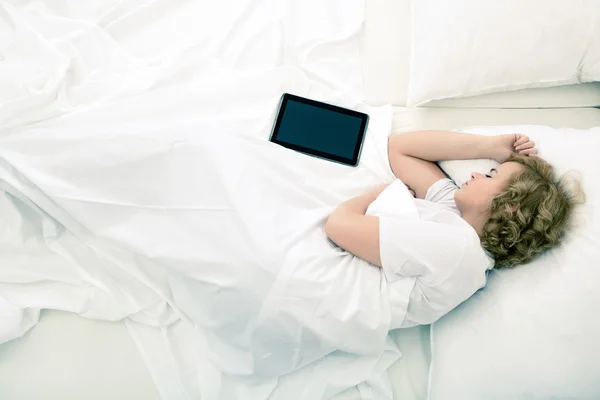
140	153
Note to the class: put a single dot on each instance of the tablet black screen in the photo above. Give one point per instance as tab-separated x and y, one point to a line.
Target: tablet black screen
320	129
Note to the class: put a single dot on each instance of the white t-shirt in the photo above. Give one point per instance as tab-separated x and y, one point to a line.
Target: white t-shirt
427	248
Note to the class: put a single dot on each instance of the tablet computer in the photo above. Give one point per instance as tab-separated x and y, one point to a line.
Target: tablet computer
320	129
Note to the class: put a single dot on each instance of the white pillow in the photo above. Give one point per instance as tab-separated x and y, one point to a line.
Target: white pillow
533	332
471	47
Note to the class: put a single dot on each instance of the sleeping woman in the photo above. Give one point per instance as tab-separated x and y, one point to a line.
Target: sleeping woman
447	237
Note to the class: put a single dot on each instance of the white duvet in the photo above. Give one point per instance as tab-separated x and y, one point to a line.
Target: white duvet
139	184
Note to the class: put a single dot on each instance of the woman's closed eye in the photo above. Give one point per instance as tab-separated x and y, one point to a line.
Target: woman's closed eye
488	176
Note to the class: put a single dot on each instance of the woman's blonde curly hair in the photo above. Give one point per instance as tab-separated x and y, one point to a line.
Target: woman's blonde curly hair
530	214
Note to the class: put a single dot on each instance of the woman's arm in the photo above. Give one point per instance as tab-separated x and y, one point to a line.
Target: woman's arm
355	232
436	146
413	155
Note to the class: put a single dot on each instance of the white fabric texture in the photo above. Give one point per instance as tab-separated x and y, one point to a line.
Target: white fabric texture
532	333
430	245
471	47
138	137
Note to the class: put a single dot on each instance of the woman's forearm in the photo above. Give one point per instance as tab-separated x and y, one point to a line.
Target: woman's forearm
360	204
442	145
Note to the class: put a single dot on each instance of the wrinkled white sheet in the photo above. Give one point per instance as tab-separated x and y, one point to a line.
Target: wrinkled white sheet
139	184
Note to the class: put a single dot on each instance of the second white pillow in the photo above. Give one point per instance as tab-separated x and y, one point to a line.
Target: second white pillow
469	47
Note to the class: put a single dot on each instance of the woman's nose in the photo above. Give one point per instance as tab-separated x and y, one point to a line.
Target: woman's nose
475	175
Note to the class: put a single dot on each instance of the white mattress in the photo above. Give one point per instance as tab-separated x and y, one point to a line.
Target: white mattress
68	357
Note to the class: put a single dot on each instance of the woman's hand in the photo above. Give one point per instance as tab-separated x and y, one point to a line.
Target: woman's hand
360	204
504	145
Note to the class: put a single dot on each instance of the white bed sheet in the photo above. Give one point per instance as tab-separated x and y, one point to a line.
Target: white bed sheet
69	357
153	115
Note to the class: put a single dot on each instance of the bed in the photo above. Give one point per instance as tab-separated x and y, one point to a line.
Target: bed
68	356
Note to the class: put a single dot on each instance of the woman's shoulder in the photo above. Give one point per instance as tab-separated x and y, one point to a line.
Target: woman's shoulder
466	258
460	234
473	255
440	196
440	190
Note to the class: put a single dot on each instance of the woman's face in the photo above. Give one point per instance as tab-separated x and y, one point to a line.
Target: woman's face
478	193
